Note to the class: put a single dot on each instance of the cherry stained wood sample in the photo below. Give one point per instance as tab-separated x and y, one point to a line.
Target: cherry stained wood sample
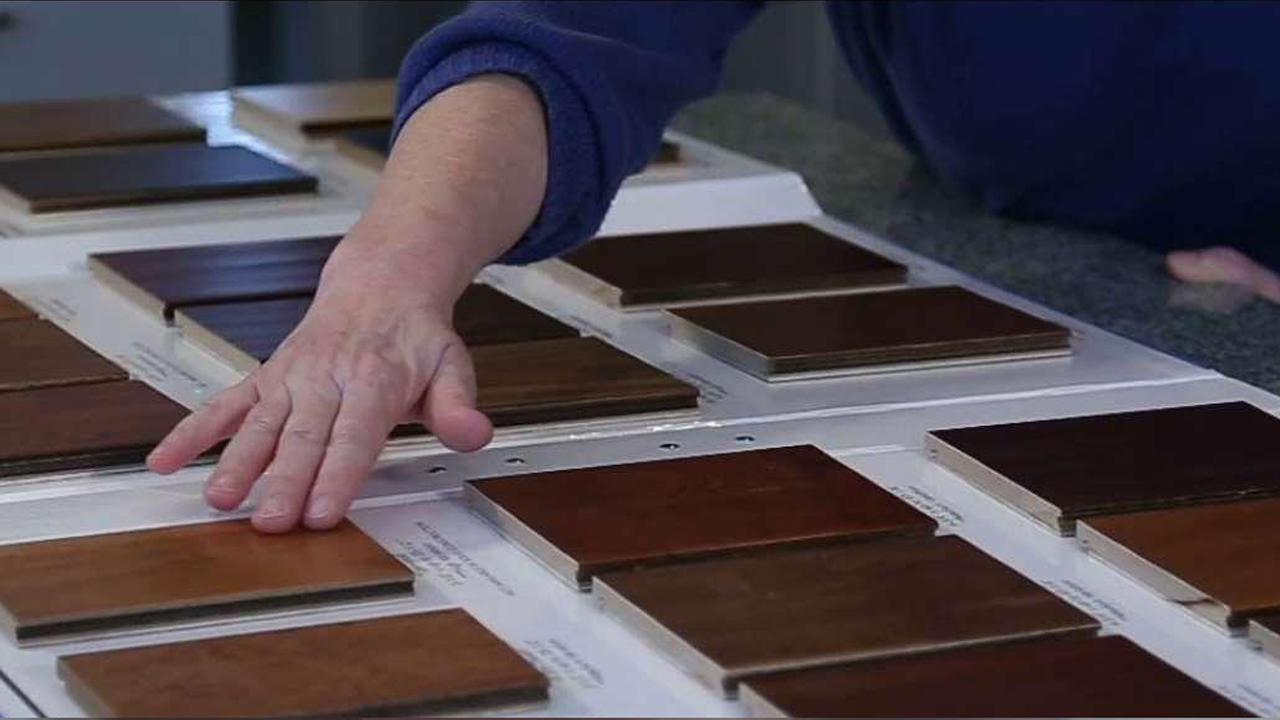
169	278
11	309
915	325
52	125
247	333
145	174
82	426
1264	630
318	108
646	270
726	619
1218	559
588	521
405	665
39	354
98	583
1049	677
1061	470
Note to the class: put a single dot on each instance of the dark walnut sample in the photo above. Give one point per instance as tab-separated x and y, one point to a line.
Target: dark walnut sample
40	354
1050	677
150	577
644	271
727	619
896	329
11	309
245	334
426	663
583	522
316	108
143	175
1058	471
1217	559
169	278
58	124
81	427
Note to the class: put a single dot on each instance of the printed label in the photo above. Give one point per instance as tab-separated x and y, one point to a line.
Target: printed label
944	514
1106	612
561	664
436	557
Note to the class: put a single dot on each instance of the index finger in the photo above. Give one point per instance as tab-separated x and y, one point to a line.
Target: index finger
204	428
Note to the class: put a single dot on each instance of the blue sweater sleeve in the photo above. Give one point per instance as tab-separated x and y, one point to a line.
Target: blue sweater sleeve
610	76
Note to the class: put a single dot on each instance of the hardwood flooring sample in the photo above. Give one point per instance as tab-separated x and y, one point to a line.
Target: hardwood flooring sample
726	619
1265	631
40	354
82	426
1058	471
95	584
317	108
407	665
914	328
245	334
1216	559
58	124
1051	677
643	271
11	309
166	279
145	174
583	522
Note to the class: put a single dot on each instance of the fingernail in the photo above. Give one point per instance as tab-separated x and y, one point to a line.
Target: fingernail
222	485
272	507
320	508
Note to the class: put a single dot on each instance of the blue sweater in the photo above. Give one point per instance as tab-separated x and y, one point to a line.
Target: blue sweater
1159	121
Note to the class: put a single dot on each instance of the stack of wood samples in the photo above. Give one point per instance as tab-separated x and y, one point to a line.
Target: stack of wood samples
302	111
406	665
583	522
641	272
1060	471
152	577
908	329
64	124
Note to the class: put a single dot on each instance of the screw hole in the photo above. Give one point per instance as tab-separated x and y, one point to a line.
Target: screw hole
515	461
437	469
670	446
745	439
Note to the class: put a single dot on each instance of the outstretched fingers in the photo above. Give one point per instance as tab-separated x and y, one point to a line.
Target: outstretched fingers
216	421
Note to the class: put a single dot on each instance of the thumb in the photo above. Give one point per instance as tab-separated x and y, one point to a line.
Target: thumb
449	406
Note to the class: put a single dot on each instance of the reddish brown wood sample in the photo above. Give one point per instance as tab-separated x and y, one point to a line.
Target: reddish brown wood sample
1051	677
434	662
104	582
726	619
11	309
593	520
40	354
50	125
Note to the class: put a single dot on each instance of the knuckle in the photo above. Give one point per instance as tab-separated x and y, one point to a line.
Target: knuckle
262	422
305	435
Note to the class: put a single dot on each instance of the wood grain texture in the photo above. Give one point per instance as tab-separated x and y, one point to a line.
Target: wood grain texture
1131	461
850	331
1225	551
146	174
1049	677
647	513
39	354
426	663
730	262
726	619
83	426
319	107
147	577
11	309
52	125
169	278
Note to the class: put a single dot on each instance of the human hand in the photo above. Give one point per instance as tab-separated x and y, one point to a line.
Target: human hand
1224	265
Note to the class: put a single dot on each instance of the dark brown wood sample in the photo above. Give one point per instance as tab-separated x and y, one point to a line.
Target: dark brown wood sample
40	354
11	309
82	426
897	328
584	522
727	619
1217	559
1049	677
369	145
146	577
52	125
317	108
145	174
1058	471
426	663
639	271
245	334
1264	630
169	278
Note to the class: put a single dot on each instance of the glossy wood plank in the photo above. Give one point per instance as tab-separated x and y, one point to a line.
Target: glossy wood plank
319	107
1065	469
11	309
1051	677
51	125
149	577
727	619
39	354
83	426
593	520
425	663
145	174
731	262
